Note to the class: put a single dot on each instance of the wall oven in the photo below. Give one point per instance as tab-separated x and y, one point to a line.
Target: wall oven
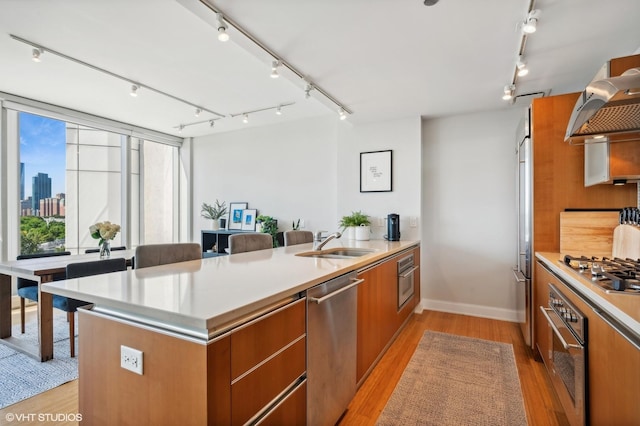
567	354
406	269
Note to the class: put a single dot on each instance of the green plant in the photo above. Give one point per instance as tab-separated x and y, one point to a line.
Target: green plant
354	219
269	226
215	211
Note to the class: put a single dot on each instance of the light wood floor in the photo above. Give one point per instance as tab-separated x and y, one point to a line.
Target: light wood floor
541	404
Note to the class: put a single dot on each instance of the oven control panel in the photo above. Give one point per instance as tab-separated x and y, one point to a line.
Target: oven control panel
573	318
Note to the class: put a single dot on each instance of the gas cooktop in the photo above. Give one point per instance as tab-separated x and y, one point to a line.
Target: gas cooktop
619	276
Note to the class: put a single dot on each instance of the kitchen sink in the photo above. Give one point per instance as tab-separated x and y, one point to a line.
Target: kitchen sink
337	253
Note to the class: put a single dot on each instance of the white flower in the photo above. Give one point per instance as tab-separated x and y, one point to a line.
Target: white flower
104	231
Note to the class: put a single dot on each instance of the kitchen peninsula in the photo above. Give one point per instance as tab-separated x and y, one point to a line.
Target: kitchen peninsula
222	339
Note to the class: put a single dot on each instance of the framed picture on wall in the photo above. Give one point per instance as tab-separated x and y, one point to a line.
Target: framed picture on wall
375	171
249	220
235	215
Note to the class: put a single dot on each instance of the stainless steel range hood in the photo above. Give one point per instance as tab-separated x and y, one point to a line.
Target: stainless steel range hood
608	108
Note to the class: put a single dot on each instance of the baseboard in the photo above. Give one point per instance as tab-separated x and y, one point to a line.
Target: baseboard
467	309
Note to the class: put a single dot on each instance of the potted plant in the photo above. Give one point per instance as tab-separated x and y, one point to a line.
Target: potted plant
215	212
268	225
356	226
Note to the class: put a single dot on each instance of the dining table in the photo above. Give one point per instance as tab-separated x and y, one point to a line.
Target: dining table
40	270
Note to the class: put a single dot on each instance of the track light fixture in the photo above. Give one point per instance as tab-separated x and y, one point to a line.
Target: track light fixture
35	54
198	112
222	27
509	90
245	118
212	123
342	114
274	69
180	127
134	90
531	23
307	90
522	67
279	110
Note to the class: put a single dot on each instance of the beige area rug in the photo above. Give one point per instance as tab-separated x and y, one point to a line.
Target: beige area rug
456	380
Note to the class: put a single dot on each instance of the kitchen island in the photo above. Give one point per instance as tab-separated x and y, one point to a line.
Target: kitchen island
218	338
607	362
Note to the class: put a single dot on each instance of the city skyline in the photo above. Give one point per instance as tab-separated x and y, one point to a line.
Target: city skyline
43	150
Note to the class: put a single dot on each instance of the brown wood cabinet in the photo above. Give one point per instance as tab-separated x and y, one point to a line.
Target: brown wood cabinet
256	369
379	319
613	363
558	179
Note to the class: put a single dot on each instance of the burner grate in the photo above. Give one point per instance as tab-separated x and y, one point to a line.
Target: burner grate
613	275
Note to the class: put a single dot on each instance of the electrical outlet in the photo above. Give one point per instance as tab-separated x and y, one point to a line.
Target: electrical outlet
413	221
131	359
302	225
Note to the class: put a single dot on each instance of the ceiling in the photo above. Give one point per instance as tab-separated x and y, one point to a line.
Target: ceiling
381	59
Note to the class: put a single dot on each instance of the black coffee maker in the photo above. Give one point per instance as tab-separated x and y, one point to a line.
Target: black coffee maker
393	227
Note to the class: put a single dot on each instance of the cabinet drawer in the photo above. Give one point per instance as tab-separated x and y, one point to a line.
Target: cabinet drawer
291	411
252	392
258	340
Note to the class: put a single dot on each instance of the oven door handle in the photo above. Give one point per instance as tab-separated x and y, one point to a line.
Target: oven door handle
566	345
411	271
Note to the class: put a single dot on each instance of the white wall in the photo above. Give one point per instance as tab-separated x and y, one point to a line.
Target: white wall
403	138
286	171
468	204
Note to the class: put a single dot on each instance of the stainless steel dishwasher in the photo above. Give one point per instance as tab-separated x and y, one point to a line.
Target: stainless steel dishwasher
331	348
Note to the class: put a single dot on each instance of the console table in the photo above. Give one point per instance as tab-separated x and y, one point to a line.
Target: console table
214	242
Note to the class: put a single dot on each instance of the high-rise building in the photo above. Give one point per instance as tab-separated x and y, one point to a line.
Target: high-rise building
40	188
21	181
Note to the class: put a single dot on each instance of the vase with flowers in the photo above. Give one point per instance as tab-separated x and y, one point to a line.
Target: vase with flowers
104	232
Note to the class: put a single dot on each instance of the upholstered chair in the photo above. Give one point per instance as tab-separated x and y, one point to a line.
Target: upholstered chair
240	243
78	270
161	254
297	237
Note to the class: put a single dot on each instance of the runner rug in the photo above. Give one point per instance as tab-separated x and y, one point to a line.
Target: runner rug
456	380
22	377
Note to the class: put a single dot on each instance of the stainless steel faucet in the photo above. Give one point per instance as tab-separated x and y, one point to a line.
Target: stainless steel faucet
318	242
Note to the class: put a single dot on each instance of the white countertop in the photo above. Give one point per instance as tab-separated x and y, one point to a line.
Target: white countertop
205	295
623	307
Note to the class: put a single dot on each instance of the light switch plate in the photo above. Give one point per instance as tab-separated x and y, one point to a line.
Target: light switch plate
131	359
413	221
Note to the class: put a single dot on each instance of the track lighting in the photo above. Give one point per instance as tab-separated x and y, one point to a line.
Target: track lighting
509	89
342	114
180	127
222	28
198	112
35	54
212	123
307	91
522	67
531	23
274	69
245	119
134	90
279	110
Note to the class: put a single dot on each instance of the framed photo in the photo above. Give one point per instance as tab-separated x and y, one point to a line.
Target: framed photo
375	171
235	215
249	220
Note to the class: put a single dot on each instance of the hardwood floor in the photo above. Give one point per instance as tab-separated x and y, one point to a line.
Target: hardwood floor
541	404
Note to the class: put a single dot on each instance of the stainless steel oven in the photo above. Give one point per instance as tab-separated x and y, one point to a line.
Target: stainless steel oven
567	354
406	269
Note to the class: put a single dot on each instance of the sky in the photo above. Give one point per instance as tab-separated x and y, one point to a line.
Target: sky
43	150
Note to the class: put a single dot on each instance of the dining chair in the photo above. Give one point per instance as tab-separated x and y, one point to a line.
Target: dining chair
161	254
28	289
297	237
97	250
78	270
241	243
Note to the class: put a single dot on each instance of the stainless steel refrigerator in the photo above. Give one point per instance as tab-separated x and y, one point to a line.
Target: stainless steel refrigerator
524	208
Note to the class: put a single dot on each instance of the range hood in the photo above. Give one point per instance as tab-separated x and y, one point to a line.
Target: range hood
609	109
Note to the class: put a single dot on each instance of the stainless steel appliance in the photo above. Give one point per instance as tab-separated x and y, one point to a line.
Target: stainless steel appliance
567	354
406	270
331	348
393	227
524	209
618	276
